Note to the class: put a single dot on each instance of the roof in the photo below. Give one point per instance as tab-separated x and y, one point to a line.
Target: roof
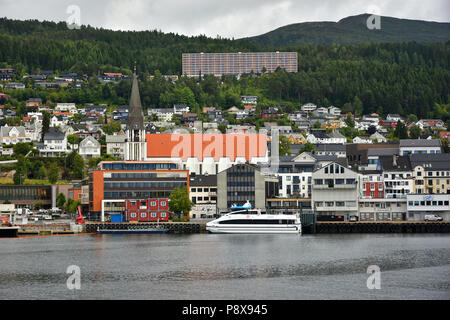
89	139
420	143
330	147
382	152
431	162
403	163
336	134
203	180
215	145
54	134
136	116
117	138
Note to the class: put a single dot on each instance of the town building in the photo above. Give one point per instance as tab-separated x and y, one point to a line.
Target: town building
14	135
295	174
208	153
203	193
115	145
135	145
431	173
397	176
54	144
114	183
218	64
89	148
420	146
419	205
335	192
244	182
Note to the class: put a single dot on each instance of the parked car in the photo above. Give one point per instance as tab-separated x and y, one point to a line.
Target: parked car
353	218
432	217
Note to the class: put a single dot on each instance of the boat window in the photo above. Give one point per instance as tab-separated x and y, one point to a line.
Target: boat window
258	221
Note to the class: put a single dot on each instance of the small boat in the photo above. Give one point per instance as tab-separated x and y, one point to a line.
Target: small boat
132	231
249	220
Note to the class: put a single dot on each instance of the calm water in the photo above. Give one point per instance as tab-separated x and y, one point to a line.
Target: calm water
206	266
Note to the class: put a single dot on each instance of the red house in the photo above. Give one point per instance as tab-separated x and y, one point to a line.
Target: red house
148	210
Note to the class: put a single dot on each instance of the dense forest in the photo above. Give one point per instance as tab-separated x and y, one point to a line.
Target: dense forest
404	78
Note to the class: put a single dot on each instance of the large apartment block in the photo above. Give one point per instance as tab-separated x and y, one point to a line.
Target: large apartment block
218	64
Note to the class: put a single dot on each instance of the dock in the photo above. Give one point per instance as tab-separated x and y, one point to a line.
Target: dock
9	232
173	227
382	227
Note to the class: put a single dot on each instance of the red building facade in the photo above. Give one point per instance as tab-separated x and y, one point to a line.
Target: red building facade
150	210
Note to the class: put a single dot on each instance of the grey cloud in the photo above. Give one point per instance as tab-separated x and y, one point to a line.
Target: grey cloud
232	18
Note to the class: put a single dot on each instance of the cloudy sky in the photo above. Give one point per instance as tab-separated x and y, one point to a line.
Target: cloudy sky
227	18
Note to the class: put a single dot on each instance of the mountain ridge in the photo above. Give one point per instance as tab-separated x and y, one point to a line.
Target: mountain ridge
353	30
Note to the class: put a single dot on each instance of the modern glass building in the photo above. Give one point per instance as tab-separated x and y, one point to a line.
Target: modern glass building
218	64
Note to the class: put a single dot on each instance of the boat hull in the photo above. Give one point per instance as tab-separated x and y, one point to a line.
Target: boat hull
251	229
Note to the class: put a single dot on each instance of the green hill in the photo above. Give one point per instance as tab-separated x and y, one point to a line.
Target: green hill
353	30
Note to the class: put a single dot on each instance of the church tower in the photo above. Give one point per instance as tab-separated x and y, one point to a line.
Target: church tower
135	147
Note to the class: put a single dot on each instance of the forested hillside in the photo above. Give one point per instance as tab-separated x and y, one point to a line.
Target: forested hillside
405	78
353	30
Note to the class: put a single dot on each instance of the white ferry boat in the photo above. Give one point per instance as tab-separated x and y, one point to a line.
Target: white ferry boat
246	220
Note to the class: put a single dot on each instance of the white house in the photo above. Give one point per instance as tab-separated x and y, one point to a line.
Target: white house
89	148
14	135
309	107
362	140
66	107
55	144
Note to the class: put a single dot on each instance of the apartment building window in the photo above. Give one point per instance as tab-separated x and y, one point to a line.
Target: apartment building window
329	203
340	203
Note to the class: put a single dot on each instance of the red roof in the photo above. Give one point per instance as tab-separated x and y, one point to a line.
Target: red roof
213	145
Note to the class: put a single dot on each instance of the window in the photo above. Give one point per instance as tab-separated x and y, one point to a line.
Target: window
163	203
340	203
340	181
133	215
329	203
153	214
153	203
163	214
143	215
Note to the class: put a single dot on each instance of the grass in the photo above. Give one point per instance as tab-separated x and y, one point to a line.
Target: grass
4	180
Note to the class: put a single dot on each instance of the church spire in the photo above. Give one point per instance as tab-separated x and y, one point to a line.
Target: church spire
135	113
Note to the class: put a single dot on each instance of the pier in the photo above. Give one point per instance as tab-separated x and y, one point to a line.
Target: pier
382	227
173	227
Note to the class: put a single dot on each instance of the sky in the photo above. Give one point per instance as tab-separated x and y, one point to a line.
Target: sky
226	18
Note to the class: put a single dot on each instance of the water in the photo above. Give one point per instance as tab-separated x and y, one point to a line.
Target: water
207	266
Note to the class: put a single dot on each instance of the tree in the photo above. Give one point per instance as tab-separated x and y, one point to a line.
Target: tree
78	167
21	148
317	125
60	200
412	118
401	131
112	127
415	132
349	121
73	139
45	124
179	201
308	147
53	173
284	146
